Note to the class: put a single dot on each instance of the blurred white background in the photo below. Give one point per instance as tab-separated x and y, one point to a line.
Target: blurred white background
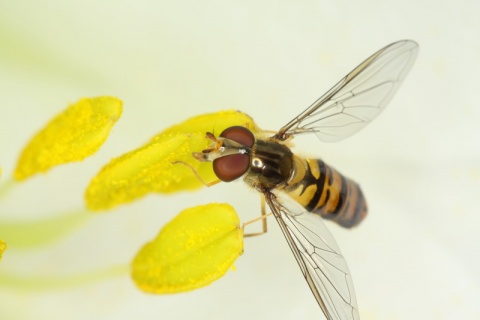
416	254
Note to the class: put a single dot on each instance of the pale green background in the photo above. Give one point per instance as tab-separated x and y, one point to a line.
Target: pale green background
416	255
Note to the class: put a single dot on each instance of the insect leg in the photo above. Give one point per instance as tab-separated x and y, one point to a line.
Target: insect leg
207	184
262	217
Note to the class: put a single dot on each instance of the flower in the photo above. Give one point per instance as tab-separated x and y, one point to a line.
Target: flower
159	165
194	249
197	247
73	135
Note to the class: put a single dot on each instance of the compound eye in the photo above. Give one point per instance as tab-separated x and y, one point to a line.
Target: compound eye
239	134
231	167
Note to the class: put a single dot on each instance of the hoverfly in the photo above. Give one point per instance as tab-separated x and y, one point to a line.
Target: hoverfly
301	191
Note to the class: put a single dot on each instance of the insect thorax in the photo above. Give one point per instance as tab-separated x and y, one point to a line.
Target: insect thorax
271	165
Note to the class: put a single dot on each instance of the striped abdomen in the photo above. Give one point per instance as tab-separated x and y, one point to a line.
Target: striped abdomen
323	190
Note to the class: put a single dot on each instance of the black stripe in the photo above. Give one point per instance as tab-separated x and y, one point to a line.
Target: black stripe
342	196
358	207
327	197
330	176
320	183
307	180
268	158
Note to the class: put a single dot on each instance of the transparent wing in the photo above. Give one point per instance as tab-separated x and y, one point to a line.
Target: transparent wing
358	98
318	255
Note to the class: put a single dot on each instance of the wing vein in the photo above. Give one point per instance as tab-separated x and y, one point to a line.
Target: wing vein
373	83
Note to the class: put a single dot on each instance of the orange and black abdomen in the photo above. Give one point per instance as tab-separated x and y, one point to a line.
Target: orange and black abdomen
323	190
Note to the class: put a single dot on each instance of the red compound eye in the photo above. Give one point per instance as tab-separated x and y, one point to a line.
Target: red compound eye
239	134
231	167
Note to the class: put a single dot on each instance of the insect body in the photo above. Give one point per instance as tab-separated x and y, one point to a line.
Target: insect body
301	191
